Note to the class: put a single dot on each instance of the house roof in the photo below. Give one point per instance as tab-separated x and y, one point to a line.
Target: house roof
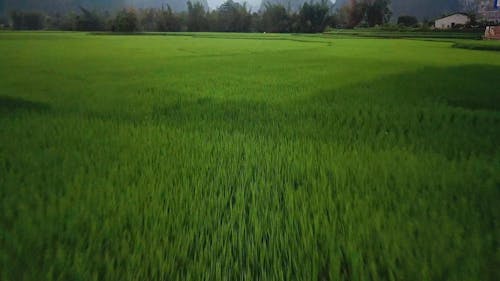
457	13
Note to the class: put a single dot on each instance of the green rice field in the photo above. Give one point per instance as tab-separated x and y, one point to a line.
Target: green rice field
247	157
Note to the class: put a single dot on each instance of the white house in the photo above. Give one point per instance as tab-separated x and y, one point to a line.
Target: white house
452	20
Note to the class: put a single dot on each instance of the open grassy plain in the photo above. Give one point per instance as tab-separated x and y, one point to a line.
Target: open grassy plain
247	157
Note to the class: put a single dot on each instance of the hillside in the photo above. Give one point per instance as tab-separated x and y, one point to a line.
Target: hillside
423	9
52	6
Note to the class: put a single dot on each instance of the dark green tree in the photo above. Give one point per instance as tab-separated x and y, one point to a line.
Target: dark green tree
126	21
275	18
371	12
168	21
148	19
196	17
314	17
233	17
378	12
357	10
89	20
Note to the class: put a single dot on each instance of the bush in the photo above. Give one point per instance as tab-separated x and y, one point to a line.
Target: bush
4	23
390	27
408	21
27	20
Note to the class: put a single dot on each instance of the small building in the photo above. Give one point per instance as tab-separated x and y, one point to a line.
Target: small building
452	20
492	33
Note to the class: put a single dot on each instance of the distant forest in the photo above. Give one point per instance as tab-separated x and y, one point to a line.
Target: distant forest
230	16
63	6
422	9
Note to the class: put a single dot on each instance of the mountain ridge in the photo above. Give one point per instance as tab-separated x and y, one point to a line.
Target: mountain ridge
422	9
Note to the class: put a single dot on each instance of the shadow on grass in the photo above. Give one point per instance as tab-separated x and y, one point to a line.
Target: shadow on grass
227	36
479	46
426	108
471	87
10	105
387	34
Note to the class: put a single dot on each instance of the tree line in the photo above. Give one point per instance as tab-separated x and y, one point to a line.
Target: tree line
230	16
